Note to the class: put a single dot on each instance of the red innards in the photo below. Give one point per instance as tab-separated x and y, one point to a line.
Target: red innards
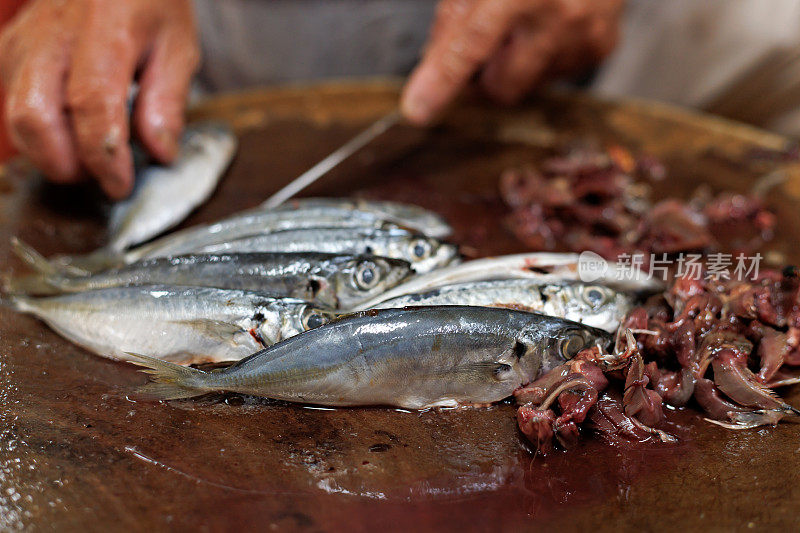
590	200
719	345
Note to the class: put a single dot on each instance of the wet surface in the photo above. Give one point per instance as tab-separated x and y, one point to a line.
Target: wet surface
76	452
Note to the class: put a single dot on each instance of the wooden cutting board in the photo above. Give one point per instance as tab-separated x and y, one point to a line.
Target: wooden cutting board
77	453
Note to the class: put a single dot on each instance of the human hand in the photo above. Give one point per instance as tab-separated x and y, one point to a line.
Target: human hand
512	44
67	66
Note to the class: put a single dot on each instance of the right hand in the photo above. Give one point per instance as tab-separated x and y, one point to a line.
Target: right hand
67	66
512	45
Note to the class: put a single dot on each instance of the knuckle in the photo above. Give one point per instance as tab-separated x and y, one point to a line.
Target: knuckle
450	9
569	15
26	120
478	32
98	130
457	62
91	102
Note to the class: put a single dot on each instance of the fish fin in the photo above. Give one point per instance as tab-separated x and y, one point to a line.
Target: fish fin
166	391
215	329
497	370
88	264
169	381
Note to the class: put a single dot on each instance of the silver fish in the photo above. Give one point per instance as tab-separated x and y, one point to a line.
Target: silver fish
412	358
164	196
405	215
335	281
593	305
251	224
423	253
185	325
295	215
542	266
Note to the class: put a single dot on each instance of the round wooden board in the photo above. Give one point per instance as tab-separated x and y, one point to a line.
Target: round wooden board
77	453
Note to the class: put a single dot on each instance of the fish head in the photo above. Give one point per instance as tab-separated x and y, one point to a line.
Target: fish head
424	253
365	277
213	138
594	305
295	317
549	345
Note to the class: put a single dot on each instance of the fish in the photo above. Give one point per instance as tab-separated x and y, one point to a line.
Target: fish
250	225
594	305
295	215
413	358
164	195
328	280
184	325
543	266
408	216
423	253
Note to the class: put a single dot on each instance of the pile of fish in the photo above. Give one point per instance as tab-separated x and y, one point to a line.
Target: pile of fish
221	292
325	300
346	302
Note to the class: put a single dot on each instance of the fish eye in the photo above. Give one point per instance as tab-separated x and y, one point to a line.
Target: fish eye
366	275
420	248
315	318
572	344
595	296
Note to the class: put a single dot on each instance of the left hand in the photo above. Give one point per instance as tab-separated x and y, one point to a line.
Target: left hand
514	44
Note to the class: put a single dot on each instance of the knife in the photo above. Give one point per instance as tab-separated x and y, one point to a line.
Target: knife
324	166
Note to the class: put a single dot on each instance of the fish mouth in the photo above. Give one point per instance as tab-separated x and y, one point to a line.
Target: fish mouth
446	254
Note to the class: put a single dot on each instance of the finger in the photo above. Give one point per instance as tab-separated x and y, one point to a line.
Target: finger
450	14
102	69
163	88
521	63
35	111
603	35
452	60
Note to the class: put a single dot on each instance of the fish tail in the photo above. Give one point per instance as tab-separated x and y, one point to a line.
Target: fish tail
65	265
170	381
8	301
40	284
32	258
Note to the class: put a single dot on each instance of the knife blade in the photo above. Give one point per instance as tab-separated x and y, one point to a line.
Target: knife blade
323	167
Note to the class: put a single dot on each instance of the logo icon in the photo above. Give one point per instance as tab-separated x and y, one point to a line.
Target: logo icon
591	267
